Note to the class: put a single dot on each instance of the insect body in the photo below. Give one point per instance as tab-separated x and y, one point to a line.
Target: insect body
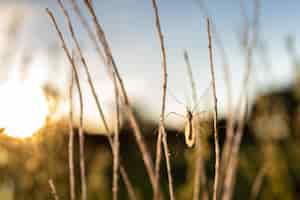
189	132
191	126
192	119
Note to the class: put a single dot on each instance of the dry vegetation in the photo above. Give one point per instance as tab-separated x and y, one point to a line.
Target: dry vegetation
210	167
153	173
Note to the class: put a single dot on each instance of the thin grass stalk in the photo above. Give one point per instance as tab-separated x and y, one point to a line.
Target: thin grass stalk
246	47
116	145
162	131
230	177
86	68
81	144
53	189
84	63
81	135
256	187
230	111
168	163
230	148
128	184
199	168
157	164
232	164
87	27
71	141
111	64
203	181
92	36
81	151
230	137
233	161
246	24
196	189
216	136
100	53
191	77
94	41
224	58
123	172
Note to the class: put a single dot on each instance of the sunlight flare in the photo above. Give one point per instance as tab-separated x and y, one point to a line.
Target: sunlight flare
23	109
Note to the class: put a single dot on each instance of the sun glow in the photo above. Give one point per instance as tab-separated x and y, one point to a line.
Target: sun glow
23	109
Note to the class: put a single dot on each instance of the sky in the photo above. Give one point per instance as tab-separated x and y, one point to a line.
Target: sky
130	28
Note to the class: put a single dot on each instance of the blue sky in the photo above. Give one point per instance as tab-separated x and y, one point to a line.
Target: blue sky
129	25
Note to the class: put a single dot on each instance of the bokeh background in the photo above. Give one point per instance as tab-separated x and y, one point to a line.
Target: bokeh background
33	61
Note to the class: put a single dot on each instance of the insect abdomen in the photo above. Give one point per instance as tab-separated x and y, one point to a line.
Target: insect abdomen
190	135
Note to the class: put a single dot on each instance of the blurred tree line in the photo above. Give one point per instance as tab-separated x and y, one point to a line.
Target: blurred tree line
269	166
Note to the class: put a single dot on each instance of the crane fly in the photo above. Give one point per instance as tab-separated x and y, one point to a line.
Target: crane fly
189	131
191	124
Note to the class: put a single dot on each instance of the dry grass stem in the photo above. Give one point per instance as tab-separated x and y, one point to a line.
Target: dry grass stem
162	135
88	29
81	134
168	163
71	141
196	189
81	149
233	160
199	167
114	146
230	111
157	164
191	77
128	185
232	163
216	137
132	118
53	189
256	187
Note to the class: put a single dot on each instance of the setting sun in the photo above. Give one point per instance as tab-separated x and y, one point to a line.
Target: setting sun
23	109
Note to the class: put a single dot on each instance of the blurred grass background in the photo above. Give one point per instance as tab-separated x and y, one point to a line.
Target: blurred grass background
269	153
271	141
